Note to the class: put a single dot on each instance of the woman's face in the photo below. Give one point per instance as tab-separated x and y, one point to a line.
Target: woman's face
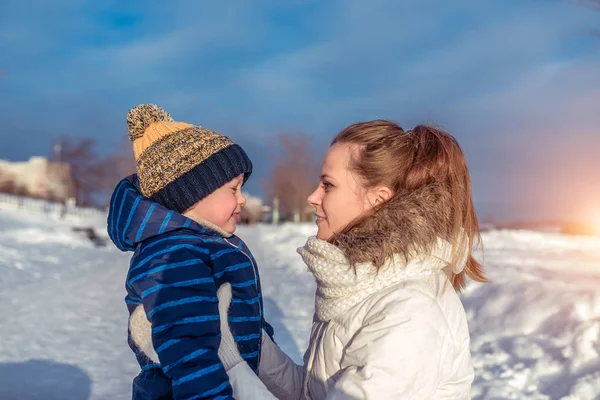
340	197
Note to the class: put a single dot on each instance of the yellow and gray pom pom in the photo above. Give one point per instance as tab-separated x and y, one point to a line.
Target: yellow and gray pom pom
142	116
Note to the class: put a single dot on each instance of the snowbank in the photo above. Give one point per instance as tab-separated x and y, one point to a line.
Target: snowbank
535	327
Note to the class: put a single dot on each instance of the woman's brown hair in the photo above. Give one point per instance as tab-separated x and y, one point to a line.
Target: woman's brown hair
415	161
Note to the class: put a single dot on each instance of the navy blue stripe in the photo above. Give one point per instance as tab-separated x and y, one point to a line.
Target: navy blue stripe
131	212
246	356
189	357
244	319
165	267
185	321
144	222
250	301
243	284
136	350
221	253
214	391
200	281
165	222
119	239
168	344
246	337
169	250
174	303
202	372
174	237
112	206
118	217
233	268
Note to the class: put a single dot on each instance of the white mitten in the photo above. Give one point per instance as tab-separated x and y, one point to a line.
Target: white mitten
245	383
228	351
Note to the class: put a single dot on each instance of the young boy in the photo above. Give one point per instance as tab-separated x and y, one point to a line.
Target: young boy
178	215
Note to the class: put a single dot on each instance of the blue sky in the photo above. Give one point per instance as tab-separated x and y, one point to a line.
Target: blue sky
516	81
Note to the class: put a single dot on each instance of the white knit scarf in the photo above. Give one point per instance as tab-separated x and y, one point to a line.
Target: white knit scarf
340	286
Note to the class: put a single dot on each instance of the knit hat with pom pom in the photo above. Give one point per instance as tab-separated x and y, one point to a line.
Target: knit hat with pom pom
179	164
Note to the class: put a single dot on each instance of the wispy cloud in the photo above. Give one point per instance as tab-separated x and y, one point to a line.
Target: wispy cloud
508	78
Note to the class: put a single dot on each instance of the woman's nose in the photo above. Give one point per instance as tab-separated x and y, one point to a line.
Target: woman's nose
314	199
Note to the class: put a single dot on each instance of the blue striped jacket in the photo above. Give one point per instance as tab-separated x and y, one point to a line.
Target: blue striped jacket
175	271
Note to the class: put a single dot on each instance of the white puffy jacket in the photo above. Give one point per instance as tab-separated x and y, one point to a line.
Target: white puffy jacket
399	332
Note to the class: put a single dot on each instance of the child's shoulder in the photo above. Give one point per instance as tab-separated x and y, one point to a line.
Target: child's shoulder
181	241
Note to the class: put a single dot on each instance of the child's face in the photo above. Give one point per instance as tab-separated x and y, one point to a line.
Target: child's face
339	198
222	207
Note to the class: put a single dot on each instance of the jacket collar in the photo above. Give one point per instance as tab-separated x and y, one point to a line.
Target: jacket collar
210	226
340	285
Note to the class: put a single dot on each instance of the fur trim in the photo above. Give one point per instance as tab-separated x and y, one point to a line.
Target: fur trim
210	225
141	333
408	224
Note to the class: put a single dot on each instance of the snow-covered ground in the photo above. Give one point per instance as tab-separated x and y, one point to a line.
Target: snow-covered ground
535	327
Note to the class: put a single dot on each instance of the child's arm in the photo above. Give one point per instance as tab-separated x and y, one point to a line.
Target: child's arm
179	297
279	375
245	383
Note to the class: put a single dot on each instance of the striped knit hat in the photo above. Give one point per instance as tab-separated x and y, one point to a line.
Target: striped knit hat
179	164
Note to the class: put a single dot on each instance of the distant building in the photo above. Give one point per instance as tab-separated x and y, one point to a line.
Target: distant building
37	177
252	211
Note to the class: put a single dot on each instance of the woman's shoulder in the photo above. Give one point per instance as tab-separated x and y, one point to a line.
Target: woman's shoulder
404	297
432	303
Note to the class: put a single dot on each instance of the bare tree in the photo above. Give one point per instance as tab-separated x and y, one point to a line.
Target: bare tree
94	177
252	211
83	160
7	183
293	175
115	167
595	5
122	161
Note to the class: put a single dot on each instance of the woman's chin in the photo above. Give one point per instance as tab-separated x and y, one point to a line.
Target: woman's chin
323	234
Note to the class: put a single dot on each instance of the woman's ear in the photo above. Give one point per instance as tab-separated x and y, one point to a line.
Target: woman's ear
379	195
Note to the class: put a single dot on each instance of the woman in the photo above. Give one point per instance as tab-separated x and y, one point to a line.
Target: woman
396	225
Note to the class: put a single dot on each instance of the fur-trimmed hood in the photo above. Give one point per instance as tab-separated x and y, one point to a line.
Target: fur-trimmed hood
406	225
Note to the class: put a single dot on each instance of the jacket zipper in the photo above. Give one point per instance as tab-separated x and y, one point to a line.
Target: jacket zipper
259	300
249	259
